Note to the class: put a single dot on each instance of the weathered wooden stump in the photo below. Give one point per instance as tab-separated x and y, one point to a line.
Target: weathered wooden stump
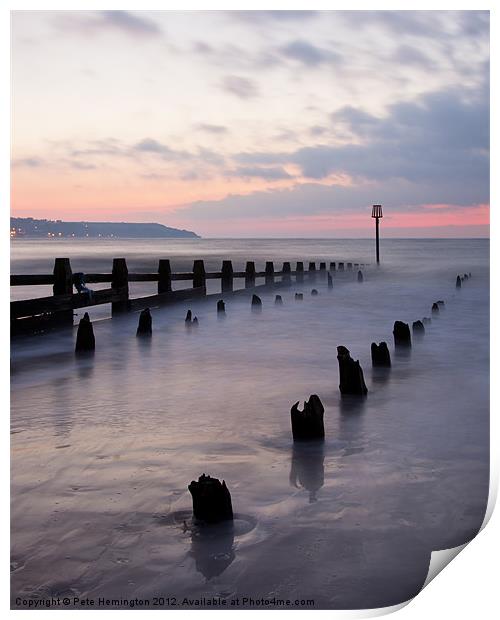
195	321
314	292
458	282
145	326
332	266
341	266
435	308
418	328
308	424
402	336
189	316
278	301
466	277
85	340
221	307
256	302
360	276
440	303
426	320
299	296
380	354
349	266
351	374
330	281
211	500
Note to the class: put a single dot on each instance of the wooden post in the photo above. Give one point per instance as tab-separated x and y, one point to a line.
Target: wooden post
199	278
322	270
63	277
227	276
119	282
63	285
250	274
286	273
349	266
300	272
312	271
164	276
341	266
269	273
332	267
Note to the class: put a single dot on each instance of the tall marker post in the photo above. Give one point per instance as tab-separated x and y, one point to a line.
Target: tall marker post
377	214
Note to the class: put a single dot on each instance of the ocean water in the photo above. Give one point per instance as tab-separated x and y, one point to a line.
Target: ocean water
103	448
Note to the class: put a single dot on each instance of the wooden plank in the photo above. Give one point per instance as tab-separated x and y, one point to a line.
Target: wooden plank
143	277
182	276
34	280
94	278
140	303
59	303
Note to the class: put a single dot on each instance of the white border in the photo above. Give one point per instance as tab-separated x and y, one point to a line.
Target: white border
467	587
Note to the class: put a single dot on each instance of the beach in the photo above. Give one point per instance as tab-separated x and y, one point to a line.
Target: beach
103	448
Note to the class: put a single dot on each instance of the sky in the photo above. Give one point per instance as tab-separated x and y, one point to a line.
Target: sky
254	123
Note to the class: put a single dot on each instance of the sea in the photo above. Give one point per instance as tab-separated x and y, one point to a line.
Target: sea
104	447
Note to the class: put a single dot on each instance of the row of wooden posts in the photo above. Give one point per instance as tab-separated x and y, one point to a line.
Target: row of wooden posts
57	309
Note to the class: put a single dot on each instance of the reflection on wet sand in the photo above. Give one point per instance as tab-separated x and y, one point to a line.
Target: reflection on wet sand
352	405
380	375
212	548
307	469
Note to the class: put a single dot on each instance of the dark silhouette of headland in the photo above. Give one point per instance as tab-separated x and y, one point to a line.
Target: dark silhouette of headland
29	227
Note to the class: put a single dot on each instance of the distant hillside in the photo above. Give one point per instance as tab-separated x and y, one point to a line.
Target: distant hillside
29	227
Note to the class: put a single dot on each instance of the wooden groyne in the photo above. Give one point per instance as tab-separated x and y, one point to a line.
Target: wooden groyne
32	315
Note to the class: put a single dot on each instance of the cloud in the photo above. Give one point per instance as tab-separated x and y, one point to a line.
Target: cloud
130	23
240	86
475	23
431	151
149	145
269	174
415	23
308	54
441	137
317	130
28	162
103	21
313	199
214	129
357	121
272	16
408	55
